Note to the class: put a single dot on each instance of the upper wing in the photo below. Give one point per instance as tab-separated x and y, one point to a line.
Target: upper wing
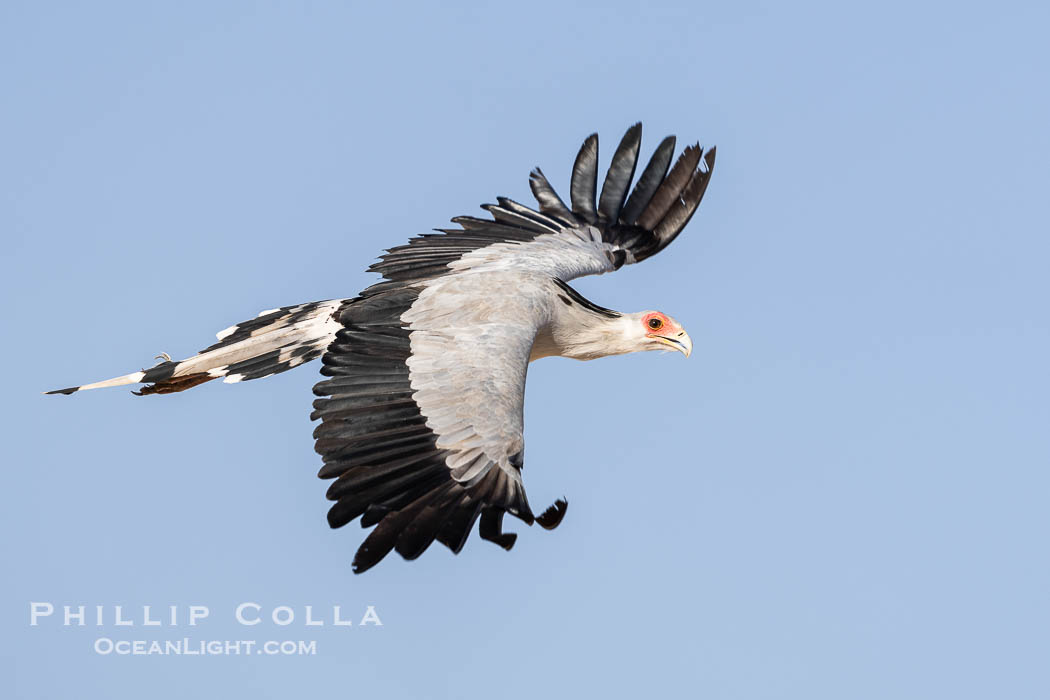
596	235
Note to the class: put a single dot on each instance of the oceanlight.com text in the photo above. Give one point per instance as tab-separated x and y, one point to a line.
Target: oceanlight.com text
105	646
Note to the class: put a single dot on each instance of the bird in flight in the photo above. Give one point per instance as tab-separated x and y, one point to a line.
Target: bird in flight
422	407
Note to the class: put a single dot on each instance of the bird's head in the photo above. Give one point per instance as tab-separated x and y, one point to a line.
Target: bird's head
585	331
652	330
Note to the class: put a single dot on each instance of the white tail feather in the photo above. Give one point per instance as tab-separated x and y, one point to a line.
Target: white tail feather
245	351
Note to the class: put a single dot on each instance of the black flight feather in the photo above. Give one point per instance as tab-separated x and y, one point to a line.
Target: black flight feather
621	172
670	188
683	208
454	533
651	178
584	181
506	215
549	201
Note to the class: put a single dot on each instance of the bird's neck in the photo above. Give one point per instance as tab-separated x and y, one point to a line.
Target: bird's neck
581	335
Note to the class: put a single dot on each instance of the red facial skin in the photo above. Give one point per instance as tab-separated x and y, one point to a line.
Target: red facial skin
666	326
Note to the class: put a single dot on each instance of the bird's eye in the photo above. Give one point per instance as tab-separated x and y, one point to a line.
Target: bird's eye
656	324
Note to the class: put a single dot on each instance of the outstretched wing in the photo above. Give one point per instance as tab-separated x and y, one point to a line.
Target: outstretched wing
422	420
421	416
594	236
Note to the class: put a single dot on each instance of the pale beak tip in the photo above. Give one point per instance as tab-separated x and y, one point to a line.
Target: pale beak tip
686	344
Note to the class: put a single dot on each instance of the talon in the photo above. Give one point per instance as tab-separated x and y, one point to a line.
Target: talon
163	356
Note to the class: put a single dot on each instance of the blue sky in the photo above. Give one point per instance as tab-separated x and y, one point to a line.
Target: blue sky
843	493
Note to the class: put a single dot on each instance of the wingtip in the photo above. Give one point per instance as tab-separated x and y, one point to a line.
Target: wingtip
366	556
66	392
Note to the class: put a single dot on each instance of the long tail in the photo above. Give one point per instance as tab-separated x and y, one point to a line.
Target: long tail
274	341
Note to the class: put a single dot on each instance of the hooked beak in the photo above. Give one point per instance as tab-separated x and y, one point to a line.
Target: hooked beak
680	342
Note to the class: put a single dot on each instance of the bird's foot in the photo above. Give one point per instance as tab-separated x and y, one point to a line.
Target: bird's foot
551	518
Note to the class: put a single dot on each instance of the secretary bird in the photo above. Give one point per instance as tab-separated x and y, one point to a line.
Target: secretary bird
421	412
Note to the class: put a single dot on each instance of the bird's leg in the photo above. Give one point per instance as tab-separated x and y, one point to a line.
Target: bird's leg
491	528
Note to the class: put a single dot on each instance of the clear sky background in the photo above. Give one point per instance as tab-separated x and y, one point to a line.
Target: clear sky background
842	494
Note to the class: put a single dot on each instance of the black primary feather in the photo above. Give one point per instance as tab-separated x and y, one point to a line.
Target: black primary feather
584	181
652	176
670	188
683	208
549	201
621	172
